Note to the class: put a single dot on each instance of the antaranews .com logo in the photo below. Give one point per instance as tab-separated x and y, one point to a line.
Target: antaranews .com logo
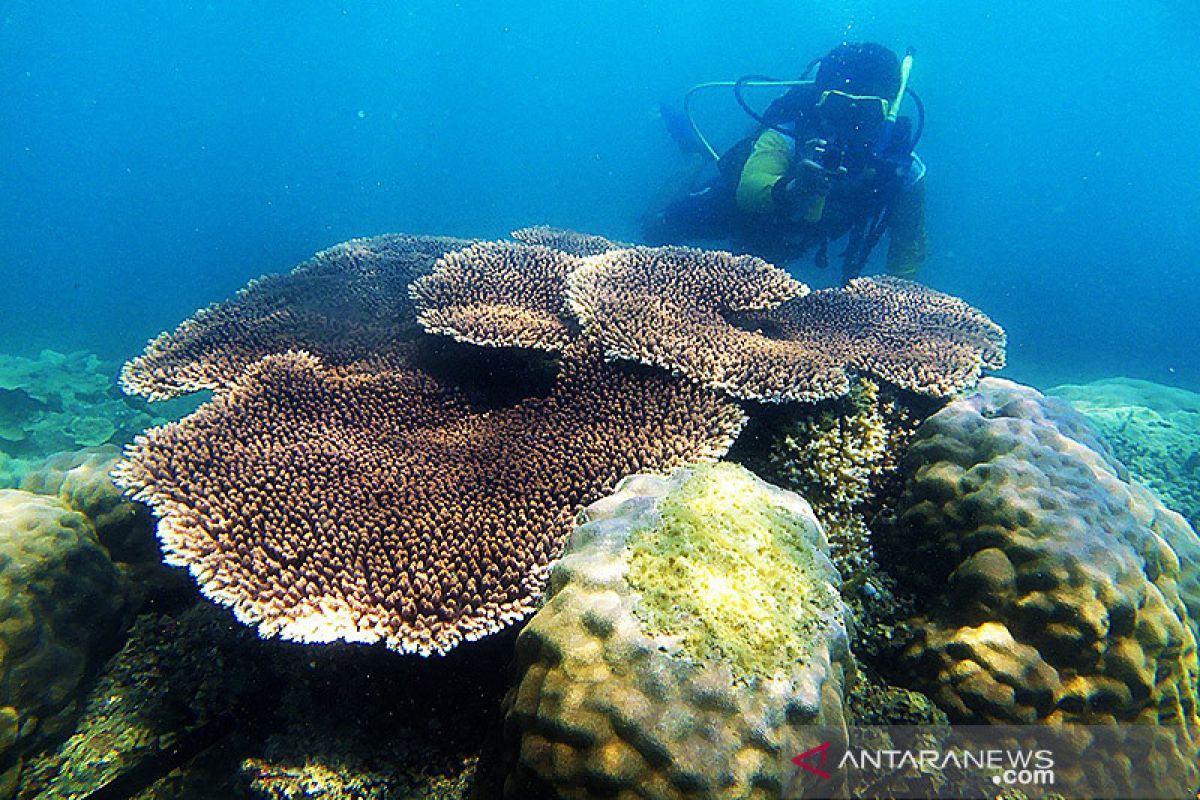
1006	767
978	761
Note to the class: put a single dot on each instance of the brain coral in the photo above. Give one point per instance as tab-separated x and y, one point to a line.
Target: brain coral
346	304
1052	589
722	320
59	596
1153	429
691	631
327	503
499	294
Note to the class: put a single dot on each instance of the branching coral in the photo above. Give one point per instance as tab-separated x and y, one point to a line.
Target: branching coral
337	489
568	241
722	320
498	294
840	455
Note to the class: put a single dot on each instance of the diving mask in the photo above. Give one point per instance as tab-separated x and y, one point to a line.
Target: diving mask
853	111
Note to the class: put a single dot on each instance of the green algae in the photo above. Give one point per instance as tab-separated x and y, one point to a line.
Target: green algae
732	575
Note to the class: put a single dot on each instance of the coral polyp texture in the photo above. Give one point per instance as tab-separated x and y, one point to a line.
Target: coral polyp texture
347	304
907	334
498	294
567	241
1052	589
691	632
839	455
341	486
60	595
744	327
325	503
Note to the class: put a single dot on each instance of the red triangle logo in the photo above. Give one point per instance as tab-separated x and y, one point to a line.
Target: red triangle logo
822	749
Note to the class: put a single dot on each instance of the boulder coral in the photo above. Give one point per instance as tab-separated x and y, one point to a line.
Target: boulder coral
82	480
60	594
1051	588
692	630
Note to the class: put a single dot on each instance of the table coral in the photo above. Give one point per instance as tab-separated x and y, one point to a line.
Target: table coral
567	241
331	489
498	294
324	503
745	327
346	304
692	630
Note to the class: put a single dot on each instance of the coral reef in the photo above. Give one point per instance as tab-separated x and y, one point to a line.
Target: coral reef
375	528
1153	429
690	632
1052	590
498	294
175	674
82	480
60	596
58	402
326	504
567	241
288	722
347	304
840	455
301	765
723	320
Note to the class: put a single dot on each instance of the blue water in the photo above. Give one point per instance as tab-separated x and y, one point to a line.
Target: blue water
155	157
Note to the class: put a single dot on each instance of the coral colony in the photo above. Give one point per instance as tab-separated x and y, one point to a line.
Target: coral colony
397	512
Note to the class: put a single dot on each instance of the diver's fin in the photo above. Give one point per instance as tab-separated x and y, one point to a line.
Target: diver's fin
680	129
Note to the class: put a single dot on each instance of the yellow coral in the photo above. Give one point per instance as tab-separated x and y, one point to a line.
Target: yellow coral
838	459
730	575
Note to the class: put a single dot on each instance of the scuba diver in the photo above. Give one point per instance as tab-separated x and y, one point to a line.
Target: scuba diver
831	158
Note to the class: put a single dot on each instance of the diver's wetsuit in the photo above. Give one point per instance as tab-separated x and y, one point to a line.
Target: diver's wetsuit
744	207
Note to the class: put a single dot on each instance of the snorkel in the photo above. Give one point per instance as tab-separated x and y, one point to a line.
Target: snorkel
893	110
